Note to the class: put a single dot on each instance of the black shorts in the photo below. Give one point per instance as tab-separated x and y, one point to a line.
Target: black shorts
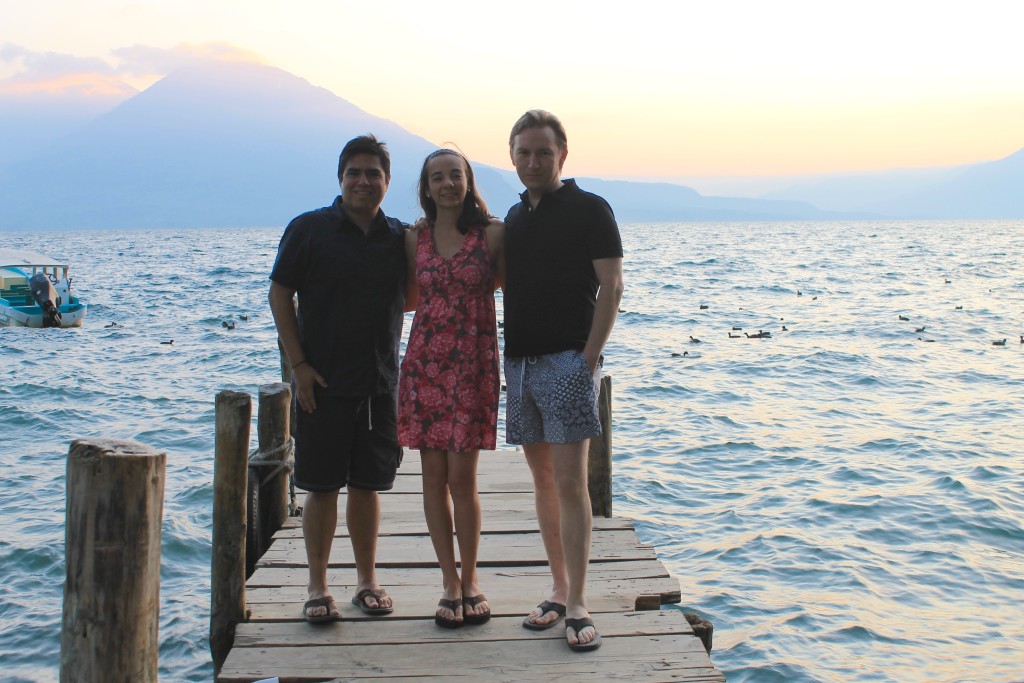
347	442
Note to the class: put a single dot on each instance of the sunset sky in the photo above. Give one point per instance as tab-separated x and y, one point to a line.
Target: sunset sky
667	90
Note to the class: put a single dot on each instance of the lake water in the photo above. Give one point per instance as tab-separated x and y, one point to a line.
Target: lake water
844	500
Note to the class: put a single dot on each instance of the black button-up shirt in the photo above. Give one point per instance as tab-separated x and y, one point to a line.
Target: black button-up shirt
351	289
550	285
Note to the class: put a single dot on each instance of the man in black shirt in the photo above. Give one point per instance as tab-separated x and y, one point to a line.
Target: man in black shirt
562	291
347	264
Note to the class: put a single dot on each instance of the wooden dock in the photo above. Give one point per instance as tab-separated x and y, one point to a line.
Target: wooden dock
627	587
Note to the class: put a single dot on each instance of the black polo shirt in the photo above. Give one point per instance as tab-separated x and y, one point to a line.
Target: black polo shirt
550	283
351	289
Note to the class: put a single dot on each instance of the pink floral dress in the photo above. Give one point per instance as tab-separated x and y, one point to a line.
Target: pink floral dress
449	385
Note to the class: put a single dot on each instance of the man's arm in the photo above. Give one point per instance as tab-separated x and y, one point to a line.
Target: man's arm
282	305
609	294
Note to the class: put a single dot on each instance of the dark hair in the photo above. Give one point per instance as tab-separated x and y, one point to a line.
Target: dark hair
365	144
538	118
474	209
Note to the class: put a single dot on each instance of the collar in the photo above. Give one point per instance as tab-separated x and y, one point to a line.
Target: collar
338	209
568	187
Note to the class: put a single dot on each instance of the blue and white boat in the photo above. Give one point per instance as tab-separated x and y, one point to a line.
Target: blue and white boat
35	291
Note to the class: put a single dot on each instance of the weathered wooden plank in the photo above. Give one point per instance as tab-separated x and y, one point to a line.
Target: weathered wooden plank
509	599
633	658
427	576
399	507
514	482
392	630
412	522
507	549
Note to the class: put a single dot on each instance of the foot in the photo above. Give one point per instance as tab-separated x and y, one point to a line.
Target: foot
475	604
449	612
320	609
544	615
373	600
476	609
581	634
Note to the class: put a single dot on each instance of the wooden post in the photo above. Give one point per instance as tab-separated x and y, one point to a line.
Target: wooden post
274	429
702	628
252	521
115	494
286	366
230	471
599	459
286	377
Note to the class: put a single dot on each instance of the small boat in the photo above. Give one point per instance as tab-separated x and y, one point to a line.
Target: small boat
35	291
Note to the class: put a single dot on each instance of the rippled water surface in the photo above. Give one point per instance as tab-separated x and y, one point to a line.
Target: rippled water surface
844	500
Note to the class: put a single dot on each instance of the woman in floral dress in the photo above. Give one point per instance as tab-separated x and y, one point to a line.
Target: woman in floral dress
449	386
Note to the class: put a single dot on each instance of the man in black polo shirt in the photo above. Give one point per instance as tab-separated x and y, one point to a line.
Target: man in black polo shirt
347	264
562	290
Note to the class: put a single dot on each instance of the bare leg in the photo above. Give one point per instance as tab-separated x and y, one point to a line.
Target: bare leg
319	519
546	501
569	461
438	513
362	514
462	468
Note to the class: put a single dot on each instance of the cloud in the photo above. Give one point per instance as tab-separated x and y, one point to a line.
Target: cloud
144	60
40	65
53	73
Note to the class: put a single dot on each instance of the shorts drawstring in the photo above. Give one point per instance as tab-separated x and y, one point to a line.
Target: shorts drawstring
369	413
522	375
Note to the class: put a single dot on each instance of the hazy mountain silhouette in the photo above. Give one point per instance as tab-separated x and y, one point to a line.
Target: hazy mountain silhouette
986	190
223	144
29	122
852	191
241	144
990	190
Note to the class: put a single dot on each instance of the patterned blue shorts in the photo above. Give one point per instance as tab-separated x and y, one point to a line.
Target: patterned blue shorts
551	399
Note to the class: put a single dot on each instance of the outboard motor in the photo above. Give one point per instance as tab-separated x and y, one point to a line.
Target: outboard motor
46	296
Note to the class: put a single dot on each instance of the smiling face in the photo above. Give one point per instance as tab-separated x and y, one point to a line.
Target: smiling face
538	159
447	182
363	185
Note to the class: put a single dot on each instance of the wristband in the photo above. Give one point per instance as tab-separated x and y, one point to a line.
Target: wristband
295	365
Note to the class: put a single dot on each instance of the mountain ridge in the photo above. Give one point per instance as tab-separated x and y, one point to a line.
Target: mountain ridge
230	144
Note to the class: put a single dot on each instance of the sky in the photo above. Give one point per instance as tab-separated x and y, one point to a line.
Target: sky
681	91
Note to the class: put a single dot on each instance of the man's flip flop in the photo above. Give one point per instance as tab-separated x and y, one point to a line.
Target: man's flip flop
474	619
452	605
326	601
545	607
578	625
360	601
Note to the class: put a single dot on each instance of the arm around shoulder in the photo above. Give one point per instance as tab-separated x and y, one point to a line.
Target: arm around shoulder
495	232
412	290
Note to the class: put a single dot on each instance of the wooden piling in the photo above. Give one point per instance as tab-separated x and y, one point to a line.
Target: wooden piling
599	459
273	429
702	628
230	473
115	492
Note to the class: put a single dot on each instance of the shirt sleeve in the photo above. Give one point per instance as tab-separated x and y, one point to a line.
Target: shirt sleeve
292	262
603	239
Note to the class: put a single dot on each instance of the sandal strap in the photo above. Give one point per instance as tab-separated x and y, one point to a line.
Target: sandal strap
449	604
475	600
579	624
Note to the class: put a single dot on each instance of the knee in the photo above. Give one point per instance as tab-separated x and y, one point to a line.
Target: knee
321	497
544	479
462	487
434	479
572	489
